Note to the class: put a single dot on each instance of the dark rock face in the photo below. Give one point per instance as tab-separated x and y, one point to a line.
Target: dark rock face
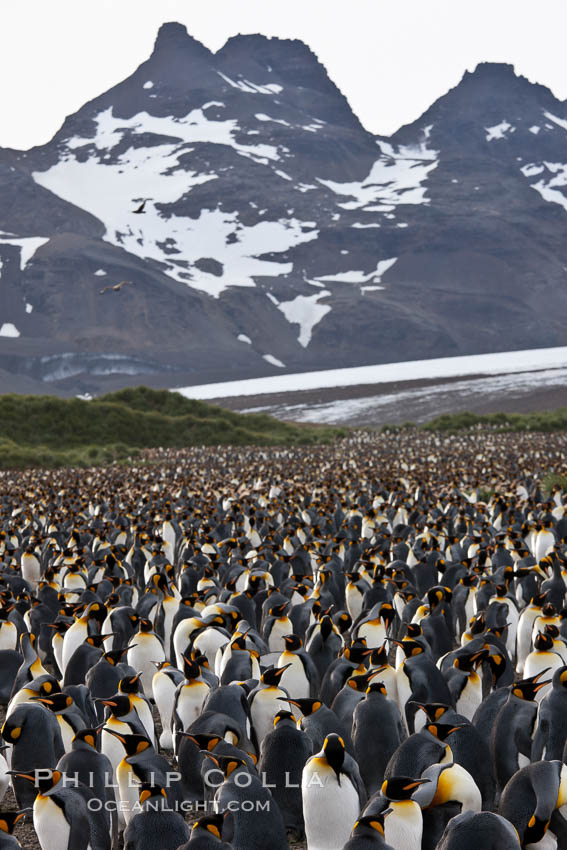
243	200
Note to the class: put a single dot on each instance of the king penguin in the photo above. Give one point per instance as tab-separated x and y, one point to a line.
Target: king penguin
156	825
333	795
206	834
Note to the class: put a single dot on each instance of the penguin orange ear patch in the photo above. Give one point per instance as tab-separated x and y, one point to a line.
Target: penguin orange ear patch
531	821
15	733
145	795
214	830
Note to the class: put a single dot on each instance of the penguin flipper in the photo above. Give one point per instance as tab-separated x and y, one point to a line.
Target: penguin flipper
228	827
79	826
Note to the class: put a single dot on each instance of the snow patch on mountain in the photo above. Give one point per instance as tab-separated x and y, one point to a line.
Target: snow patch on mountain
561	122
252	88
28	245
396	178
498	131
112	191
360	276
269	358
550	188
9	330
305	312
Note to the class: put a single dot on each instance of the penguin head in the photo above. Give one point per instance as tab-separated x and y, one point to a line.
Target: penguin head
119	705
543	642
379	656
152	797
377	688
284	718
400	788
549	610
133	744
45	785
433	710
86	739
58	703
114	655
560	678
441	731
526	689
272	675
292	642
468	663
306	705
130	684
228	764
98	640
343	621
413	631
357	651
410	648
326	626
369	825
145	626
535	830
334	751
202	741
362	680
191	669
8	820
208	825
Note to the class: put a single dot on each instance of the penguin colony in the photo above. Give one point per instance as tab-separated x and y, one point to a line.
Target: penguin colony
355	646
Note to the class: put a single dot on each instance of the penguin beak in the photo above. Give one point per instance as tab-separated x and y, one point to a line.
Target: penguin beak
30	777
115	734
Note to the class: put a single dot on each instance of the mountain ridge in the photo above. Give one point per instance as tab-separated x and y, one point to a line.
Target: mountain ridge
277	232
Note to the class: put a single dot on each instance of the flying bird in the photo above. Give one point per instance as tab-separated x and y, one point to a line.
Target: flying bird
140	209
116	288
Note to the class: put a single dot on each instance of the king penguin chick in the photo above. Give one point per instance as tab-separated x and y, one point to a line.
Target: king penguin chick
333	795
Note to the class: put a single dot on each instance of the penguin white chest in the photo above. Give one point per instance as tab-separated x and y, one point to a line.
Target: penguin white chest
50	824
403	827
329	809
190	702
280	628
8	635
294	680
163	689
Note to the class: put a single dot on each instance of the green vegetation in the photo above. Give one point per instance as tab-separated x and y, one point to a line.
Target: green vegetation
544	420
552	480
45	431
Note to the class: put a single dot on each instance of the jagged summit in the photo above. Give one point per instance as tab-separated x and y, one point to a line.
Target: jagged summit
262	228
173	36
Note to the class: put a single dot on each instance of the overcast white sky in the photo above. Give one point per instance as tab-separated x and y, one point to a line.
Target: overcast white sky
391	58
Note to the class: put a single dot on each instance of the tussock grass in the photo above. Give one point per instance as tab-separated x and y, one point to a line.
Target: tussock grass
45	431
